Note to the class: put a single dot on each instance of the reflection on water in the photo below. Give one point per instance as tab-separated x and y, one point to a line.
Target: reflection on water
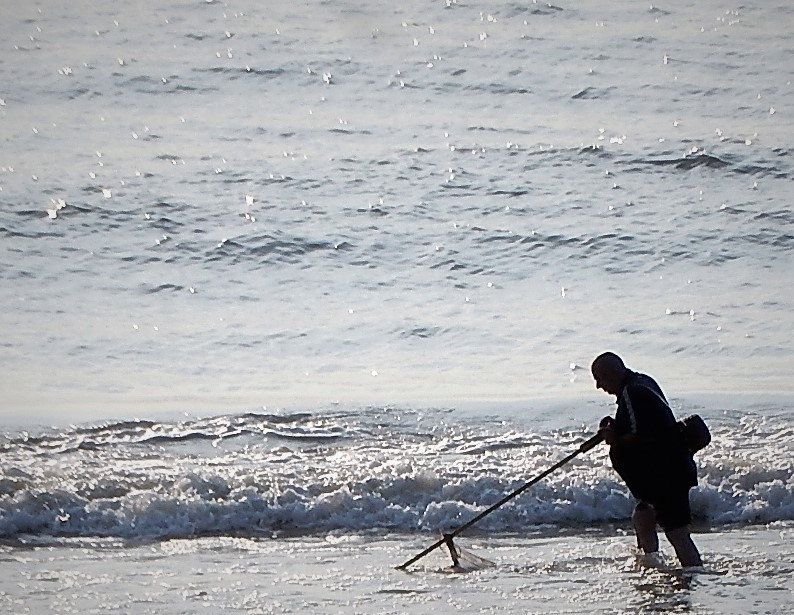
660	592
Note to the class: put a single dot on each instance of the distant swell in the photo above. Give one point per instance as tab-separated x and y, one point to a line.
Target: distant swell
691	162
709	161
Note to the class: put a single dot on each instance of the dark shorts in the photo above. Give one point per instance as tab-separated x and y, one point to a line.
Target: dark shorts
672	509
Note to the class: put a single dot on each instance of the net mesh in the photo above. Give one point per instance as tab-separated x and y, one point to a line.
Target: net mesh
463	560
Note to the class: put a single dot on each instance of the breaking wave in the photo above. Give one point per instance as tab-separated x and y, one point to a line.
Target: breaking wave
392	470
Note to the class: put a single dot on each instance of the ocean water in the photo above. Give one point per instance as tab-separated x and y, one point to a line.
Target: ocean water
311	282
231	205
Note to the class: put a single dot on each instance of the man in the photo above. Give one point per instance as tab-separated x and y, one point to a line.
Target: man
649	453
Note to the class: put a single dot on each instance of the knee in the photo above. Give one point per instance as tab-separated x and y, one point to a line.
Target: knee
644	517
677	535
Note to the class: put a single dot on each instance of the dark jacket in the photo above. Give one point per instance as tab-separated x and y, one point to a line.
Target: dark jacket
657	462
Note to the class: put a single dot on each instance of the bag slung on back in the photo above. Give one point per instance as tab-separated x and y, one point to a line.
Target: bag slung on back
696	433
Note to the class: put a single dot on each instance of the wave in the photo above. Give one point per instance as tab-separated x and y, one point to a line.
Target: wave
591	93
294	427
698	160
271	247
308	473
691	161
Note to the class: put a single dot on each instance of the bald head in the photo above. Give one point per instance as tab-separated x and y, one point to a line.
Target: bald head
609	372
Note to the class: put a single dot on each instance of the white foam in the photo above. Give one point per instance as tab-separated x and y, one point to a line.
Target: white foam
310	480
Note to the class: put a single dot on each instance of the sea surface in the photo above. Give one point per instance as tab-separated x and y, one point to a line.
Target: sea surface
308	283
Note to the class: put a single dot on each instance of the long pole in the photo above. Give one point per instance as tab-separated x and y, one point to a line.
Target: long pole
586	446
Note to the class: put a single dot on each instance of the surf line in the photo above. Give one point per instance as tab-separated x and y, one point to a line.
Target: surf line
446	539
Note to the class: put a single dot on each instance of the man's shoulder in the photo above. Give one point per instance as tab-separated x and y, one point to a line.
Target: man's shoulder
644	392
643	383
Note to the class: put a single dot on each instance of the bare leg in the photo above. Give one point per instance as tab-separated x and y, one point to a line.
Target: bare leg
685	548
644	520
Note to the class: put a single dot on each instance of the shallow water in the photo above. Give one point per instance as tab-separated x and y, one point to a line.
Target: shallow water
748	571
